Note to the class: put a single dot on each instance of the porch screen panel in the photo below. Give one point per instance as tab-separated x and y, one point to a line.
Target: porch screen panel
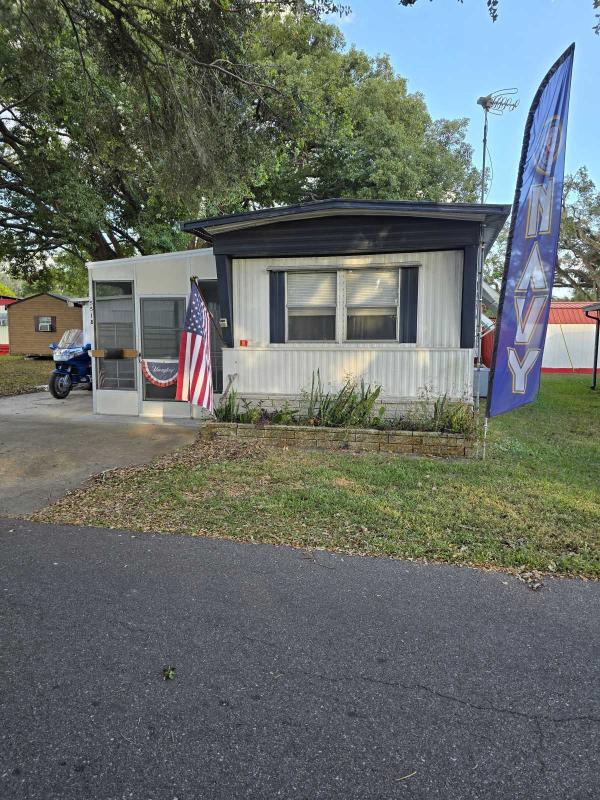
311	304
162	323
114	323
371	304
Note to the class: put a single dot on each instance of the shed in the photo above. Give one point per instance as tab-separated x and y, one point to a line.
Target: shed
37	321
384	291
569	338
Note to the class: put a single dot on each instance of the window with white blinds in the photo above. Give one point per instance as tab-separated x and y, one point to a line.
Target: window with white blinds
372	287
311	304
368	301
309	289
372	304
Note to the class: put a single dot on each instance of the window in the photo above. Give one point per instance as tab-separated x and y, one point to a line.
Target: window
311	305
372	304
45	324
3	317
113	306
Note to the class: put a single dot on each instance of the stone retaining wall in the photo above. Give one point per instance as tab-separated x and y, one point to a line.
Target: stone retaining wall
357	439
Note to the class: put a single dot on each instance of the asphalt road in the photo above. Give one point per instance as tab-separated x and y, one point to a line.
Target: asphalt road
49	446
297	676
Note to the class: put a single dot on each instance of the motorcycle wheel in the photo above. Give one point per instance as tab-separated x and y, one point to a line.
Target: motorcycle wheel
59	385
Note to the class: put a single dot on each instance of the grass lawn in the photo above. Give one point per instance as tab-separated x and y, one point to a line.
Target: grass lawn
535	502
19	375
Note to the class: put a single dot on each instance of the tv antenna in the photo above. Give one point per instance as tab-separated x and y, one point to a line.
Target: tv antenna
496	103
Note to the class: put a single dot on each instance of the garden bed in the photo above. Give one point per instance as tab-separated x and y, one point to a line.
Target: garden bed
425	443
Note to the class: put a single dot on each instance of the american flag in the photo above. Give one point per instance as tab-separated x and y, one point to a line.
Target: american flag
194	375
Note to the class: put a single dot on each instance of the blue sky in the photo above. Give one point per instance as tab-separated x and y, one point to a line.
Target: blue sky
453	53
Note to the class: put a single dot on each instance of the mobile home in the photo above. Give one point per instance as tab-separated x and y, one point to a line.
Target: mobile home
380	290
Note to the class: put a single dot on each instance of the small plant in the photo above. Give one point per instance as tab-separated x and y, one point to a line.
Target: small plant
168	673
286	415
440	414
228	409
352	406
251	414
451	416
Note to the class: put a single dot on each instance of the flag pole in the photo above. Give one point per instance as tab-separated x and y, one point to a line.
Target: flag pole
194	279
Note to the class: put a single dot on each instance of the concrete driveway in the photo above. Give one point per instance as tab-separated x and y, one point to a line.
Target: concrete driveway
49	446
299	676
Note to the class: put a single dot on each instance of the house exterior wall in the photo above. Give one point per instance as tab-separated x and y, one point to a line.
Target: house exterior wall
436	363
569	348
23	337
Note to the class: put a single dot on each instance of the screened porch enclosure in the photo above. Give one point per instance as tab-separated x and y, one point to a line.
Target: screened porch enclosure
139	314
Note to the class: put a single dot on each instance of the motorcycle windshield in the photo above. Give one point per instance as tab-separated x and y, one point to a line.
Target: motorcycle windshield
70	339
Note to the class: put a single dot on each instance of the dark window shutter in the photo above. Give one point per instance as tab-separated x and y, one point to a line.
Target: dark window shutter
277	306
53	324
36	324
409	300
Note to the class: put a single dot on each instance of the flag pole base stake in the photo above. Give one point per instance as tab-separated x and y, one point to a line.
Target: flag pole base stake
485	432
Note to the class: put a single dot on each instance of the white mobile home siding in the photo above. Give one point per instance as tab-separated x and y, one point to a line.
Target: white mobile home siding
436	363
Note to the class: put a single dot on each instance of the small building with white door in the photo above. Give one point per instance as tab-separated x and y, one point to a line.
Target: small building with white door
383	291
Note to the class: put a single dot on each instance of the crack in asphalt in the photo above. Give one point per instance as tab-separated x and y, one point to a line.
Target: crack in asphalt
538	718
452	698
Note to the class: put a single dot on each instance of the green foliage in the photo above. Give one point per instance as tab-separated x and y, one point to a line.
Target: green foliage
452	416
251	415
352	406
354	130
436	414
123	118
228	409
493	269
6	291
286	415
579	246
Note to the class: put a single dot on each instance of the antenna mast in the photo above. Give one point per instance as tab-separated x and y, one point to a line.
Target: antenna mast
496	103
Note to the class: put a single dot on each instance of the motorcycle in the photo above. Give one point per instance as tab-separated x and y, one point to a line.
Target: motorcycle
73	364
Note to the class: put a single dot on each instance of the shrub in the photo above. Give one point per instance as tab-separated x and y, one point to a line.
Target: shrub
351	407
440	414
